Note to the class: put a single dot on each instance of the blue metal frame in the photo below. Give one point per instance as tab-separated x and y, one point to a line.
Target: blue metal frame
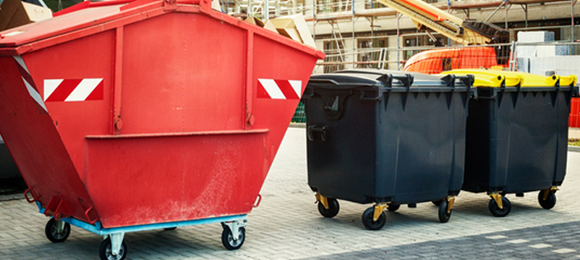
99	230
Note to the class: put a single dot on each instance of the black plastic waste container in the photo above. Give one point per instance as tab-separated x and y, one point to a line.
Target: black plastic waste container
517	135
388	138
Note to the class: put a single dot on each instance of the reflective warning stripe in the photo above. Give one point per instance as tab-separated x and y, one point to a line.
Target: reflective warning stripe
71	90
30	86
279	89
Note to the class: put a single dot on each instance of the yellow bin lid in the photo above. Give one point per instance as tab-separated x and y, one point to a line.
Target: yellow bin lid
494	78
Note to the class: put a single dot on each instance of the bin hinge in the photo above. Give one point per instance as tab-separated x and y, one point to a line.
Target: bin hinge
322	199
467	80
406	80
449	80
386	79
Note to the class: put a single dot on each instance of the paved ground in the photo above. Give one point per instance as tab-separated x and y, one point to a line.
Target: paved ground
287	226
559	241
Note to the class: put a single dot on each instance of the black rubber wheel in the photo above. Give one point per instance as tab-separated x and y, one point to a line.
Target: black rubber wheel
393	207
549	202
333	208
228	239
170	228
51	231
437	202
367	219
496	211
105	251
443	215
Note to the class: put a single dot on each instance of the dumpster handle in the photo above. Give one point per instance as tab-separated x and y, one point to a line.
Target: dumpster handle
258	202
29	190
88	218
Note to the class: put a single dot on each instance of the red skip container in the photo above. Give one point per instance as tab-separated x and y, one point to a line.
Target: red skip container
126	116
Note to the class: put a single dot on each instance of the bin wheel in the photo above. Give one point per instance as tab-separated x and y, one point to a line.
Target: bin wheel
367	219
443	214
105	251
52	233
333	208
393	207
437	202
228	239
496	211
549	202
170	228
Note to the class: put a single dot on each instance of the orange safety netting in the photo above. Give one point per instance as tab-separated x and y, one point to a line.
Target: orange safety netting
439	60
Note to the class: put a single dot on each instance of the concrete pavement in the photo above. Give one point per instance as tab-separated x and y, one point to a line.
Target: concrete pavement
287	225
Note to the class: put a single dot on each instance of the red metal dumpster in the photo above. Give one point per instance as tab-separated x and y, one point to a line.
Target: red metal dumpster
574	120
150	114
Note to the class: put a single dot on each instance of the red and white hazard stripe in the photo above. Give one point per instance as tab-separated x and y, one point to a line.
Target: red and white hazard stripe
279	89
71	90
30	86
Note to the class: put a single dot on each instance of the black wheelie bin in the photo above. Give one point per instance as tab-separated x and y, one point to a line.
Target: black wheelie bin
517	135
387	138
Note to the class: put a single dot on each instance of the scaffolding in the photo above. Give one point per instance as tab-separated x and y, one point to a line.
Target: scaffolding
338	32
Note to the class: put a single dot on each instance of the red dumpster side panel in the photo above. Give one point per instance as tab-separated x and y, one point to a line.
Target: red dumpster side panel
36	146
173	178
88	58
143	187
226	178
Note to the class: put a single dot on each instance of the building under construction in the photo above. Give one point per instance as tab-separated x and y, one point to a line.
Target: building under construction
369	34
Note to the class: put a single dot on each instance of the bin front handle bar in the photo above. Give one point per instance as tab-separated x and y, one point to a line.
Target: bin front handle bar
315	128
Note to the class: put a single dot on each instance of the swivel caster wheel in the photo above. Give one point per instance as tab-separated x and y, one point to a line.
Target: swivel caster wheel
106	251
496	211
550	199
233	243
368	221
57	231
333	208
444	214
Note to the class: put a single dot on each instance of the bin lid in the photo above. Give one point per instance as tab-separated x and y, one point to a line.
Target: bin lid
373	78
495	78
